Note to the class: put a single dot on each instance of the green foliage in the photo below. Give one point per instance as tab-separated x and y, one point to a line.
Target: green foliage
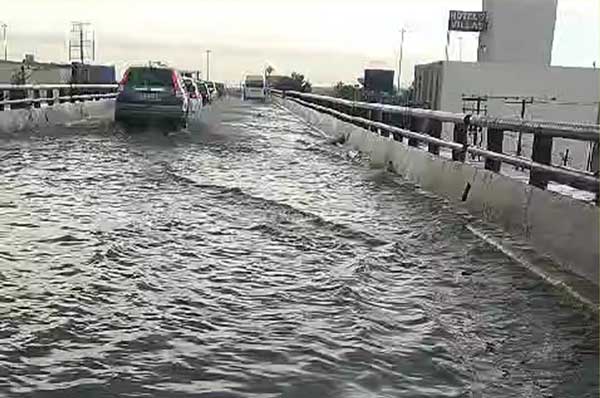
406	94
294	82
304	85
347	91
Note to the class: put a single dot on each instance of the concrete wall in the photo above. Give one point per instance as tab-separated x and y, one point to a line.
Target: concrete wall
22	119
519	31
557	226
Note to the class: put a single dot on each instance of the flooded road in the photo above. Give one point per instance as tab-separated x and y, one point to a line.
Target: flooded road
249	258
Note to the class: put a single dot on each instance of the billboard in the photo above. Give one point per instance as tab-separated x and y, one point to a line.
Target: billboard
380	80
467	21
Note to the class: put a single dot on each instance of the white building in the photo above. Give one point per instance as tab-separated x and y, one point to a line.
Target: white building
519	31
513	66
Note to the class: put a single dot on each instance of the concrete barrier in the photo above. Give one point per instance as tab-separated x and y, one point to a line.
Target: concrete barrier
22	119
562	228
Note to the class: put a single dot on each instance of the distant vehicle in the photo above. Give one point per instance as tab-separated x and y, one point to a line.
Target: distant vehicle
194	95
220	89
254	87
204	92
149	93
212	88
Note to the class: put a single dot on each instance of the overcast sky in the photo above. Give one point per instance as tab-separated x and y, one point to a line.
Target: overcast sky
327	40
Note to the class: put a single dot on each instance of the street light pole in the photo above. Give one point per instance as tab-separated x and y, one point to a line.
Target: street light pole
460	48
208	65
5	40
400	58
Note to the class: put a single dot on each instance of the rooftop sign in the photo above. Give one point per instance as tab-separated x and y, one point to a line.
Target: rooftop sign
467	21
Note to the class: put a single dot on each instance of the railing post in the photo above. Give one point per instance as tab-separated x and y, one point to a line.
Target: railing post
376	116
414	125
459	136
541	153
30	96
6	97
435	130
495	139
55	96
44	95
370	117
594	159
386	118
396	120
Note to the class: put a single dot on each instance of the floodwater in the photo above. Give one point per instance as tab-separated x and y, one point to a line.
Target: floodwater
249	258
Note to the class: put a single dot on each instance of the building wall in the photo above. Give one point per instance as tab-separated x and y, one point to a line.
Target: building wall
576	90
36	72
7	69
428	83
520	31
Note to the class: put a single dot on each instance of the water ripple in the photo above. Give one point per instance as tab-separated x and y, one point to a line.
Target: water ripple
254	259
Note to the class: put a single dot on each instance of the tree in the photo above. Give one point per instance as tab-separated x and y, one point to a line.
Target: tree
406	95
269	70
294	82
304	84
346	91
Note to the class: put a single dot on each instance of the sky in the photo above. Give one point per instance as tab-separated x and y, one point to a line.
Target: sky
326	40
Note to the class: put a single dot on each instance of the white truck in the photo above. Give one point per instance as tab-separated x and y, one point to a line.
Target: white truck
254	87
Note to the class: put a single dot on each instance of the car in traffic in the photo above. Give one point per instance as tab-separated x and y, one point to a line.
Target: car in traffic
220	89
212	87
194	96
154	94
204	92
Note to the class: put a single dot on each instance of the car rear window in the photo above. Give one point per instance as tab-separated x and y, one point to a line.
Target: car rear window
150	77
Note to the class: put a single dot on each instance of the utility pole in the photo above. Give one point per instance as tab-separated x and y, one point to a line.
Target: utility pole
81	46
520	139
5	41
79	40
460	39
208	65
403	30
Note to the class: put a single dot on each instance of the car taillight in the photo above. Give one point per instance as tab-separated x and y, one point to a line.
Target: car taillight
123	81
176	87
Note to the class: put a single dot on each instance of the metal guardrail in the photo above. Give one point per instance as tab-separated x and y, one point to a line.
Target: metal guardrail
429	124
576	131
36	95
